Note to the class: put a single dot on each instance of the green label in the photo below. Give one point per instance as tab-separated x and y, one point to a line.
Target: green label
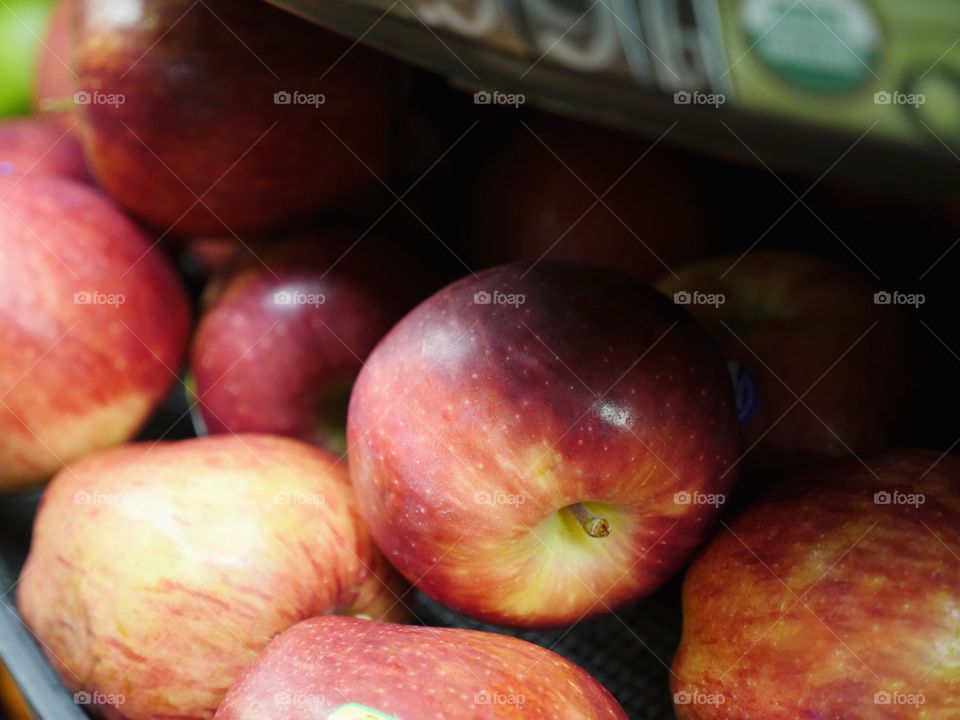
355	711
824	45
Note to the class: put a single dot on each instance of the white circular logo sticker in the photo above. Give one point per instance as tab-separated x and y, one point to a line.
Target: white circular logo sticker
824	45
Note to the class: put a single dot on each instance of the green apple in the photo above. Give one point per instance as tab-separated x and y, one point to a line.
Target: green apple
22	25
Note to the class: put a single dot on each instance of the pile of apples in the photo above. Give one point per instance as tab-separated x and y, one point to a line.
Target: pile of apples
530	445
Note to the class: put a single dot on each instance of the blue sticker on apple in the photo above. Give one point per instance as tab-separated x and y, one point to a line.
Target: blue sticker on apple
6	169
745	391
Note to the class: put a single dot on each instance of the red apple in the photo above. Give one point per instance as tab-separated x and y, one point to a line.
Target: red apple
823	368
39	146
305	313
532	447
538	198
158	572
349	669
93	323
837	597
54	83
228	116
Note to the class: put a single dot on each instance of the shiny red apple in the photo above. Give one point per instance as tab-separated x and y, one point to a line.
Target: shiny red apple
349	669
228	116
304	313
40	146
561	190
93	323
531	447
157	572
837	597
823	360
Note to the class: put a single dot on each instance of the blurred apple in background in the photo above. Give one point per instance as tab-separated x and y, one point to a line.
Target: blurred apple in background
93	323
53	85
11	700
22	25
349	669
534	447
537	198
228	116
837	597
157	572
40	146
304	313
822	366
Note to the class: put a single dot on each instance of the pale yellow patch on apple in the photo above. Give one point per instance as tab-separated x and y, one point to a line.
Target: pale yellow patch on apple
946	651
566	568
53	437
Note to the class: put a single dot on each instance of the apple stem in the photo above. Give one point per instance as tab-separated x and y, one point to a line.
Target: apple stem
593	525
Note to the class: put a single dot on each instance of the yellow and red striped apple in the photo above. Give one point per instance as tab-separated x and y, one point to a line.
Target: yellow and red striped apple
93	323
534	446
349	669
157	572
837	597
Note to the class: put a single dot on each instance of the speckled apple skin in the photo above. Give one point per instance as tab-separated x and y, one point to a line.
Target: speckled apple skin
199	118
412	673
40	146
805	327
78	377
210	548
880	599
465	403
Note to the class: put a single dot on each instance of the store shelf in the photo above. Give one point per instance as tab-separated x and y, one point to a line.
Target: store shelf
651	52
